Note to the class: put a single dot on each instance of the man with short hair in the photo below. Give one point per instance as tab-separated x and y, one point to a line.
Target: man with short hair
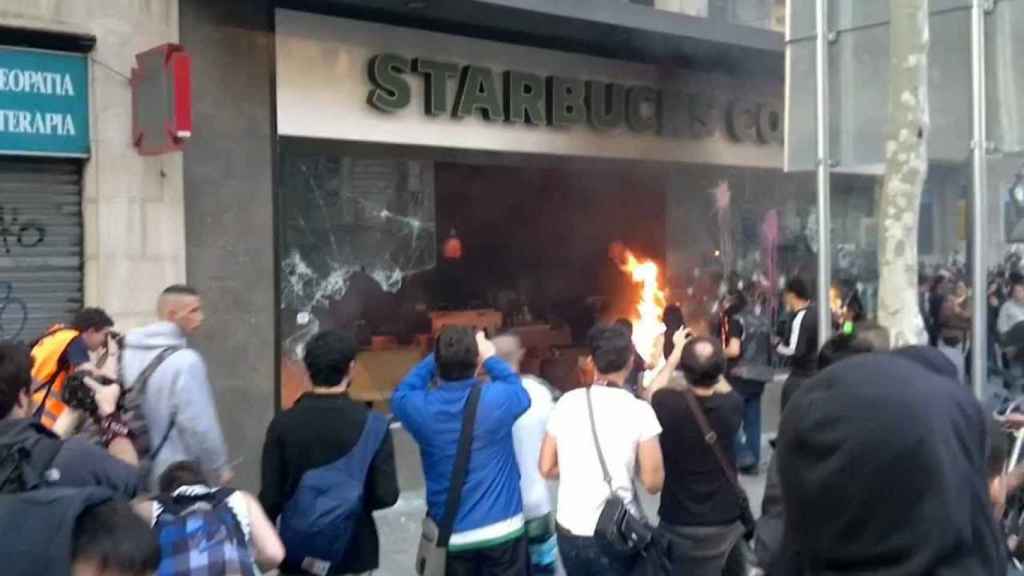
626	430
528	434
177	403
700	510
488	538
61	351
322	427
110	539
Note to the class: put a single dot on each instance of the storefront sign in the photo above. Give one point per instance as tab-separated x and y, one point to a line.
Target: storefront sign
558	101
352	80
44	103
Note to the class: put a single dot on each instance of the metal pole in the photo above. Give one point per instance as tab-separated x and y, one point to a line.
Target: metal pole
979	304
824	176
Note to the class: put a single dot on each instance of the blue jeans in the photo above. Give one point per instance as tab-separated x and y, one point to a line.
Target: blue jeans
748	444
582	556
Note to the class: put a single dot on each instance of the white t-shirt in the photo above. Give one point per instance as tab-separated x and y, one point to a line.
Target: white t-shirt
623	422
528	435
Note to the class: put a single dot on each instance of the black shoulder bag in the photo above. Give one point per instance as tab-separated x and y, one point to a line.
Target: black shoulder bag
711	438
432	556
618	530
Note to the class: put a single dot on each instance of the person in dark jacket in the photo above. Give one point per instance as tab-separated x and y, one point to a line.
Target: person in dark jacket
74	462
771	525
801	345
905	495
744	335
61	531
489	535
322	427
700	511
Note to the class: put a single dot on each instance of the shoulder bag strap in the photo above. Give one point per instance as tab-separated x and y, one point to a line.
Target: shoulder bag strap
139	385
62	368
451	508
41	409
597	444
711	438
139	388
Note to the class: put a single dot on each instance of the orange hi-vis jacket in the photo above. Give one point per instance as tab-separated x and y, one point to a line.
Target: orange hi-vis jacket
49	372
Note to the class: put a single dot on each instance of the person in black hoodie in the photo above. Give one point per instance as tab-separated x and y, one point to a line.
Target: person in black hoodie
801	344
882	461
74	462
771	524
323	426
60	531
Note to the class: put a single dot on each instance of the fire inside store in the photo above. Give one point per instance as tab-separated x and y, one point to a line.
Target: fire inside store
428	180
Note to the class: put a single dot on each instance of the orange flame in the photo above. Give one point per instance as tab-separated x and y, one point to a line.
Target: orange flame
647	325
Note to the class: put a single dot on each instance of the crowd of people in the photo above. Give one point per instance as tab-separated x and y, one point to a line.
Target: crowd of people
945	308
113	463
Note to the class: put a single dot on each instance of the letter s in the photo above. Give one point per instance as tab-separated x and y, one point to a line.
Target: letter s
390	92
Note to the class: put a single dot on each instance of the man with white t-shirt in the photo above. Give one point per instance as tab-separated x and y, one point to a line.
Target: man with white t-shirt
527	435
627	430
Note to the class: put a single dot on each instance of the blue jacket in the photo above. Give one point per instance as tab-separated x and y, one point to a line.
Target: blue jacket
433	415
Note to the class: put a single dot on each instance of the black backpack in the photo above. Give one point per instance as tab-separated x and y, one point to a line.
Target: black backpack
27	452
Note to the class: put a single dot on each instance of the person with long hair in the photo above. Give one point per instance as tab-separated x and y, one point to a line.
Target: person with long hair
743	337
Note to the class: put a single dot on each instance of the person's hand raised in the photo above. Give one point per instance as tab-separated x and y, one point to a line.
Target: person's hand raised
681	337
106	397
485	346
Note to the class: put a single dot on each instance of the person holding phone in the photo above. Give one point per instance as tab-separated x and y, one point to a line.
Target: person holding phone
488	537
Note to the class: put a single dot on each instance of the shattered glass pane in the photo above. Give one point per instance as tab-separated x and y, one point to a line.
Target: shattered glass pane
348	219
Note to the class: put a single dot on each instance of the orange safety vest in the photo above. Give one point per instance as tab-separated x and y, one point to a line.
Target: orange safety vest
49	372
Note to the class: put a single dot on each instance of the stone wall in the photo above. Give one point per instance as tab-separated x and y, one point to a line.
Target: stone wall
133	207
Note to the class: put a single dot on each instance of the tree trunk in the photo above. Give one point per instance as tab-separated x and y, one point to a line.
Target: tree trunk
906	168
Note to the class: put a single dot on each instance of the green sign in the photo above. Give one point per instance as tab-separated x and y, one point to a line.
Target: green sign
518	97
44	103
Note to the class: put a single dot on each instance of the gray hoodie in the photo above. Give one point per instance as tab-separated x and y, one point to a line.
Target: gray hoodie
178	390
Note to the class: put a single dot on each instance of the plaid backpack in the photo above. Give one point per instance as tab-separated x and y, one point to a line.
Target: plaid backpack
200	536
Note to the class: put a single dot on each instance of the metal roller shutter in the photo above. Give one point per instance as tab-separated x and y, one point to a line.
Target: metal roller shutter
40	245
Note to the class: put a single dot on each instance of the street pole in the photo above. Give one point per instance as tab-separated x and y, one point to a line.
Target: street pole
979	145
824	175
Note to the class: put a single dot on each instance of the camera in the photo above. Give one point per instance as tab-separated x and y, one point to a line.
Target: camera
78	395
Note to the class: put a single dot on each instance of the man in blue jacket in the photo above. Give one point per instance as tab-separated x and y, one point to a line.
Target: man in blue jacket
488	538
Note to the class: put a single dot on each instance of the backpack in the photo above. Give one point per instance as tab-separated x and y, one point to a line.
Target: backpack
755	358
318	521
27	453
131	405
200	535
131	408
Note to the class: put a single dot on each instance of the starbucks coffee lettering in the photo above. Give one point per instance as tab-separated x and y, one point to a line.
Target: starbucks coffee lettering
520	97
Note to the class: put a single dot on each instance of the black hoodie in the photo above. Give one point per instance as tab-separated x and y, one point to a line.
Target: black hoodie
38	528
78	463
882	464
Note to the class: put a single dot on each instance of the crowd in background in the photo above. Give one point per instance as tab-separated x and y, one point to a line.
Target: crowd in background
112	460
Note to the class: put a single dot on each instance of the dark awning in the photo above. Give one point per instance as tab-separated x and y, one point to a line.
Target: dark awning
613	29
